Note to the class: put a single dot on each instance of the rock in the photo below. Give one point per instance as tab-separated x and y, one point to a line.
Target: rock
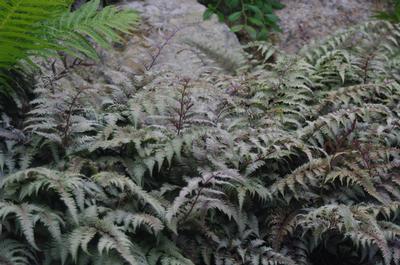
118	78
190	46
305	20
173	42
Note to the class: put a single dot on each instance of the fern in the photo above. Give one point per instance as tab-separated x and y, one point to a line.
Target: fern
20	28
43	28
110	238
293	159
70	29
15	253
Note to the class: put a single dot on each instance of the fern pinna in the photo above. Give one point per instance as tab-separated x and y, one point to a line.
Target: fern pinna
291	162
32	29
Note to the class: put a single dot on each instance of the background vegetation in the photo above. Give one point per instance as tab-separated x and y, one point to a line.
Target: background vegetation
392	15
255	18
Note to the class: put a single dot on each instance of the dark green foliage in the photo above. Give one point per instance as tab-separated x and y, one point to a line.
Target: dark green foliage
256	18
392	15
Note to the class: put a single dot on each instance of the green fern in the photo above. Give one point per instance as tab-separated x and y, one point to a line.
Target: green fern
43	28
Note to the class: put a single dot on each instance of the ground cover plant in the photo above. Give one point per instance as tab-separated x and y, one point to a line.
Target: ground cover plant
293	160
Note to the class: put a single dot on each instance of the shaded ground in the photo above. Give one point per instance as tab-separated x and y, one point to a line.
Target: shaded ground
305	20
173	41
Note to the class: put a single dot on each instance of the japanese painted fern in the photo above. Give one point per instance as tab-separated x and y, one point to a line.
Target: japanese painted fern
293	162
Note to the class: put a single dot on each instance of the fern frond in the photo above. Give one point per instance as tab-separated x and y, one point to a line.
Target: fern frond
13	252
20	28
133	221
26	217
110	238
34	180
109	179
71	29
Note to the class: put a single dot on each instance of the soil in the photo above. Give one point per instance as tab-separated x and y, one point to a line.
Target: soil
305	20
